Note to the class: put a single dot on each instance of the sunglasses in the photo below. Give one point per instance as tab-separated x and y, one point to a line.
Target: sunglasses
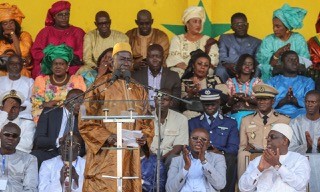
196	138
13	135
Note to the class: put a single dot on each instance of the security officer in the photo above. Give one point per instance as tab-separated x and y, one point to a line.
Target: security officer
255	127
223	131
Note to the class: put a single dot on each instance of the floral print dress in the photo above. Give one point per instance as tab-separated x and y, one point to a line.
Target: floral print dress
44	91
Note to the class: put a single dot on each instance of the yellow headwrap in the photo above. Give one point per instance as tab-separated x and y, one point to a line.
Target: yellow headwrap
121	47
8	11
194	12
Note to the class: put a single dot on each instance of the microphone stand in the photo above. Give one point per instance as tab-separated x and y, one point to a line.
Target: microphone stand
70	121
159	95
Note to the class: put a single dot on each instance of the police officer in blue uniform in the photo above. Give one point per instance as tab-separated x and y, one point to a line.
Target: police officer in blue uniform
223	131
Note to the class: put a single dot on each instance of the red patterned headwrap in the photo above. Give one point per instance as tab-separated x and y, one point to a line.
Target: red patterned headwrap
318	24
56	8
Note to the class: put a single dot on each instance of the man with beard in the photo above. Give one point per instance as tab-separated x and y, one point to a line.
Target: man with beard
143	36
306	128
118	97
232	46
277	169
255	128
196	169
292	87
98	40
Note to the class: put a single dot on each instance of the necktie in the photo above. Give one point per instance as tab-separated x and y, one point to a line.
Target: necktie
265	119
211	119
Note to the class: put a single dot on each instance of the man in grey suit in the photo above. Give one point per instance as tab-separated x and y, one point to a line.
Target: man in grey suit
197	169
158	77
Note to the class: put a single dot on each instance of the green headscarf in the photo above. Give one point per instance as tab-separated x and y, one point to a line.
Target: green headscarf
51	53
291	17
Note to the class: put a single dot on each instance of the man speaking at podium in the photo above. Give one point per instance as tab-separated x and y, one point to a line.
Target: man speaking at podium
97	134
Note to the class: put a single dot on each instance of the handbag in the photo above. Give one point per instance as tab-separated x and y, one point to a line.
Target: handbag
4	59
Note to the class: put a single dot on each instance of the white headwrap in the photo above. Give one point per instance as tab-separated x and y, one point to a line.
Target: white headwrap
194	12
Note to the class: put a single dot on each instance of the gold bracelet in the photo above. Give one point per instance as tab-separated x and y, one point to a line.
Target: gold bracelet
275	58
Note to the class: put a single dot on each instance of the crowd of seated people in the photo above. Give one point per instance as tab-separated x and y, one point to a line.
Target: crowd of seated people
214	111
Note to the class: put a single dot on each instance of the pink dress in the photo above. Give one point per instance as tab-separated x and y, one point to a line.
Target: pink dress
73	37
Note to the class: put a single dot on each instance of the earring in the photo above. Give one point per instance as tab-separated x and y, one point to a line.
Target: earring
287	31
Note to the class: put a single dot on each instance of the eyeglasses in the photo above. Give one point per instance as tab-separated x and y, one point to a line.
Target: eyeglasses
196	138
103	23
62	15
243	24
273	137
13	135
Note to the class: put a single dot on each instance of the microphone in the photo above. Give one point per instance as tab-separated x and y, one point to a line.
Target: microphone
126	76
115	76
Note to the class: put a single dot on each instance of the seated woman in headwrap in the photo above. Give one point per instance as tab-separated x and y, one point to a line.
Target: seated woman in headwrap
196	78
284	21
179	52
103	67
50	90
314	49
12	39
57	31
241	101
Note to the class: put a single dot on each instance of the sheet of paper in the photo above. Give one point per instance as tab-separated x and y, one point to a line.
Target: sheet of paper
129	137
3	183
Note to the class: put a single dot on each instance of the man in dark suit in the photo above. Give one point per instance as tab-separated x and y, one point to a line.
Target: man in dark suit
158	77
52	127
223	131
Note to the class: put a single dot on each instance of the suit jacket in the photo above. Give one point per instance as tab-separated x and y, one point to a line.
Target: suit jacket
169	80
48	129
214	173
224	133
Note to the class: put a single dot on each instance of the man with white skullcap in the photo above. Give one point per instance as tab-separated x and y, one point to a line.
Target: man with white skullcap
11	106
97	134
277	169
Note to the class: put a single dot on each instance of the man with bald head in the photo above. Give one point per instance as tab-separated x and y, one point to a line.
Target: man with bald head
277	169
19	169
98	135
196	169
98	40
143	36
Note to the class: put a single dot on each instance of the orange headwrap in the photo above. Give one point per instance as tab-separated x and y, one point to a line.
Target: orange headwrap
8	11
318	24
56	8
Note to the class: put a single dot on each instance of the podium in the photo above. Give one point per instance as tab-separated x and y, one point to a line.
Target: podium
128	116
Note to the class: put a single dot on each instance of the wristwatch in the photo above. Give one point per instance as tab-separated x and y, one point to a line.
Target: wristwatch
204	162
277	167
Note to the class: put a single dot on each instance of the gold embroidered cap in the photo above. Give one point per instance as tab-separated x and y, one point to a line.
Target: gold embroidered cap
12	94
264	90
